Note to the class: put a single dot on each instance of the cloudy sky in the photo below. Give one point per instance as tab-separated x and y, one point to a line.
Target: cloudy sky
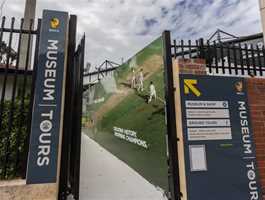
119	28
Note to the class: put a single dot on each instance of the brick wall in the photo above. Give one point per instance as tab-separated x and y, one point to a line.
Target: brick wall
256	97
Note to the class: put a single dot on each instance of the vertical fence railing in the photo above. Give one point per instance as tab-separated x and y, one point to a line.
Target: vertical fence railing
71	148
65	187
174	177
223	58
15	94
75	159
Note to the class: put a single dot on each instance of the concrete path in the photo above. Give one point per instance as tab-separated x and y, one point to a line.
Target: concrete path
104	177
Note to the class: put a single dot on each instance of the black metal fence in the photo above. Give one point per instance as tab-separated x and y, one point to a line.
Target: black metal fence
224	58
18	39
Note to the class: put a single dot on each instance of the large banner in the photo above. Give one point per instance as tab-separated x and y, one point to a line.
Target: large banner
126	114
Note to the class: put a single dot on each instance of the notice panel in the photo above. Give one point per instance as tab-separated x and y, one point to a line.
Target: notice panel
206	104
209	134
207	113
208	122
198	158
219	151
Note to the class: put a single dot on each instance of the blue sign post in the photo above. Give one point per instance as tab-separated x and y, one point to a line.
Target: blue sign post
46	128
219	151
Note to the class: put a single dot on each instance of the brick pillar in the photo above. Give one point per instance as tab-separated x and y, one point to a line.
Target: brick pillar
256	98
194	66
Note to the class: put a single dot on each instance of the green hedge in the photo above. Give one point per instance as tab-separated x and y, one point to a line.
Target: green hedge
13	138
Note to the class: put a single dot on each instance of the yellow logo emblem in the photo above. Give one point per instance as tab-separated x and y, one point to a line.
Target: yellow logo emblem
190	86
55	22
239	86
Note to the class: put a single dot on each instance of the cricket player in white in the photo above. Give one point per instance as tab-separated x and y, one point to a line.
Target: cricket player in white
141	81
133	80
152	91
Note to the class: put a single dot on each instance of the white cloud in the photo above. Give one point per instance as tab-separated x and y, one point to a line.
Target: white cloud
118	28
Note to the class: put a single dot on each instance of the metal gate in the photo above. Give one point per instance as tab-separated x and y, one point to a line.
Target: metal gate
71	142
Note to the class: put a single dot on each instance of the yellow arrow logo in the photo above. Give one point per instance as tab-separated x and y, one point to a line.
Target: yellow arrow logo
189	86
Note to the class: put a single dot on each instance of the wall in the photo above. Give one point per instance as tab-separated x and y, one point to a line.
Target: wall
18	190
256	96
192	66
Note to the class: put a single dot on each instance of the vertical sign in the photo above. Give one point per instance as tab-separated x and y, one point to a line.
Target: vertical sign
48	103
219	152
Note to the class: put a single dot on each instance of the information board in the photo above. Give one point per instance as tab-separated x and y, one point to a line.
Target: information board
219	151
49	94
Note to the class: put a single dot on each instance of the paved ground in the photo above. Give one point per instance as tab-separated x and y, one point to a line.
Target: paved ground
105	177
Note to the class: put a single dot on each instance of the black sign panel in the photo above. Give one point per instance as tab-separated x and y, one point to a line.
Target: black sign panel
46	116
219	150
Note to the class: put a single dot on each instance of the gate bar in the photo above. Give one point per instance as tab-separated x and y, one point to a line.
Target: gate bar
64	183
174	182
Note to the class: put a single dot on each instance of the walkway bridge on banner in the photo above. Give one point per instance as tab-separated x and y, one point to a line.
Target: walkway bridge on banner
102	71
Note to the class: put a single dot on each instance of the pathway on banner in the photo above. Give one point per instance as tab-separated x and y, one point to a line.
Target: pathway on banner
104	177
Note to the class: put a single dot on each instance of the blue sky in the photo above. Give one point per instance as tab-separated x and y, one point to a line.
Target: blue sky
119	28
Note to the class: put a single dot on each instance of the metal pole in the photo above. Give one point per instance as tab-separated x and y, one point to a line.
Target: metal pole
171	118
262	13
29	14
